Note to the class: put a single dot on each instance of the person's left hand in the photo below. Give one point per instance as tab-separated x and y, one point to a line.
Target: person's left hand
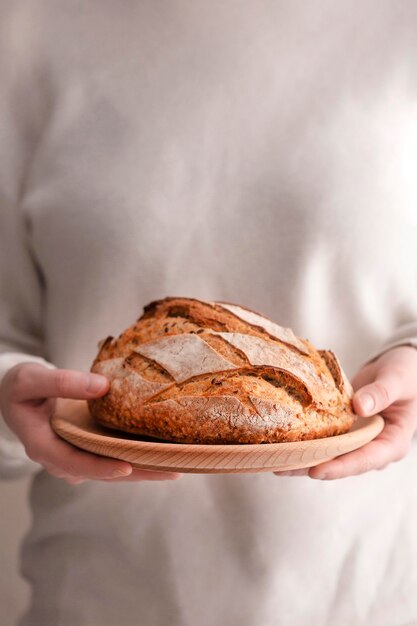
388	386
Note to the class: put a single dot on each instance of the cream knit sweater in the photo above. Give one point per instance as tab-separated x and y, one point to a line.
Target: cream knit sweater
259	152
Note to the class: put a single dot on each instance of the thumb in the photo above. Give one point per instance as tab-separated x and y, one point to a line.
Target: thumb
35	382
378	395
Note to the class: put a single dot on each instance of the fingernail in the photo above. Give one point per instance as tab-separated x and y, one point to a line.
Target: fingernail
121	472
320	476
95	384
367	402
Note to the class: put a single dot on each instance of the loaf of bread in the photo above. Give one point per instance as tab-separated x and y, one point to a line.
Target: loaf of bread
217	373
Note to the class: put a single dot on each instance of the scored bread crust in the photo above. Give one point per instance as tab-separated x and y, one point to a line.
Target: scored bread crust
192	371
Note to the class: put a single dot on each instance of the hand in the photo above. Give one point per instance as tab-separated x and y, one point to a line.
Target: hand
28	393
388	386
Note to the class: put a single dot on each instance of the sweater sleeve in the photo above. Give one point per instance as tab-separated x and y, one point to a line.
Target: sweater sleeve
22	286
404	335
21	332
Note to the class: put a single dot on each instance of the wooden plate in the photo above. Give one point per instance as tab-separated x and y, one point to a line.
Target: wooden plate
72	422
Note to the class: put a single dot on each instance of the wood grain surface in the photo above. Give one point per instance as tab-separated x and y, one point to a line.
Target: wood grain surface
72	422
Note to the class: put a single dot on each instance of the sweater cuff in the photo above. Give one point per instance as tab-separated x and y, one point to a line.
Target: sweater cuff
393	343
14	462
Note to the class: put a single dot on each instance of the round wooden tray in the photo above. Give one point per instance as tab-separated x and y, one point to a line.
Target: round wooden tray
72	422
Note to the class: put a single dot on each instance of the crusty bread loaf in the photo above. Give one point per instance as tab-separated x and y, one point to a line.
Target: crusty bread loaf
212	372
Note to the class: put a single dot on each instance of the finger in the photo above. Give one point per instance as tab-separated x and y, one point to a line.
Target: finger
378	395
35	381
392	444
136	476
47	449
75	481
152	475
56	472
44	446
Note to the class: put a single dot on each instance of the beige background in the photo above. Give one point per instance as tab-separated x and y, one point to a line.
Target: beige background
14	521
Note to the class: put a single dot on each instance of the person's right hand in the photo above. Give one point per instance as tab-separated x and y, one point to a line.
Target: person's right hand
28	398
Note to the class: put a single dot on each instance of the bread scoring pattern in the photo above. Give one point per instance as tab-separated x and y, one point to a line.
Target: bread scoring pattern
185	356
195	371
